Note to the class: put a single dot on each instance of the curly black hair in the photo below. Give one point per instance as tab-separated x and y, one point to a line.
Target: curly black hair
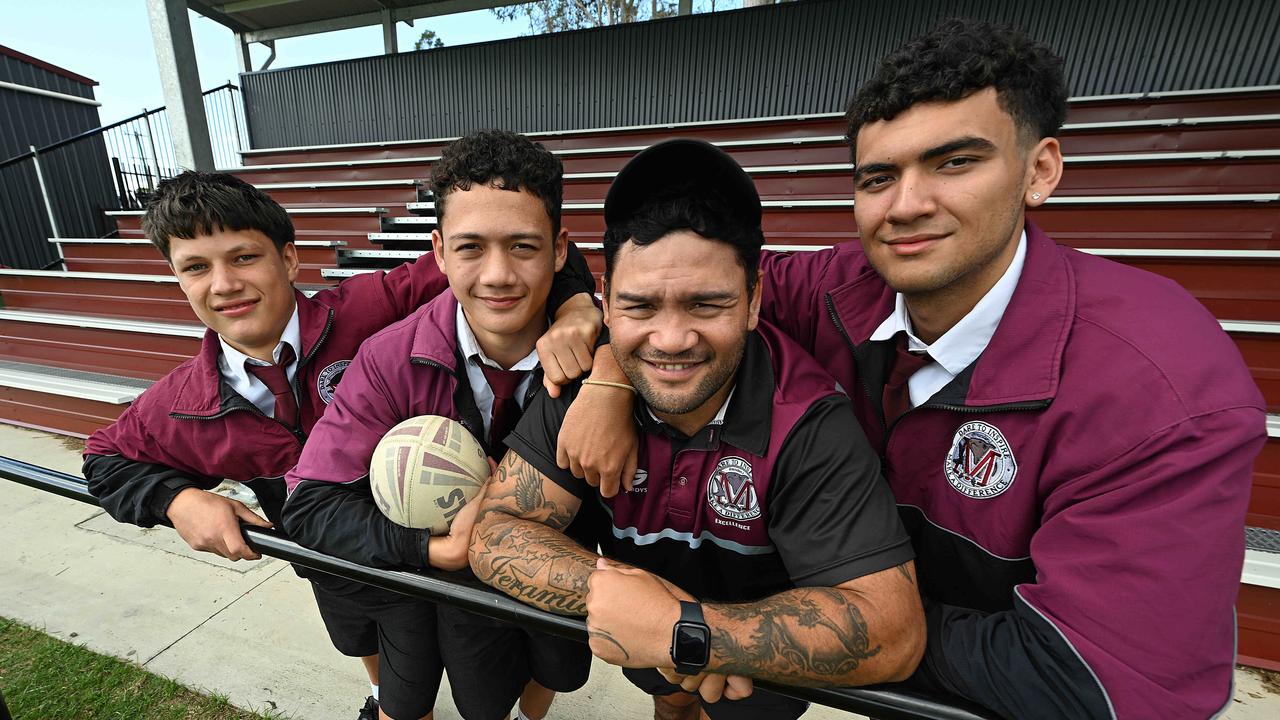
501	159
202	203
686	208
956	59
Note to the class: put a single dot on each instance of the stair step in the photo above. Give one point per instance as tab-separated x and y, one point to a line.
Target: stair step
99	387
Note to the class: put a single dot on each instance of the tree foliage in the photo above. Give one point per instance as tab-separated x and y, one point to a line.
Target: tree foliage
556	15
428	41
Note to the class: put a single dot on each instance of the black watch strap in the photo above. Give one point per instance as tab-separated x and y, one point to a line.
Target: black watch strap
690	640
691	612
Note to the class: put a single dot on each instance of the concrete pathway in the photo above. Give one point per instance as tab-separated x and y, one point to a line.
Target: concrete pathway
248	630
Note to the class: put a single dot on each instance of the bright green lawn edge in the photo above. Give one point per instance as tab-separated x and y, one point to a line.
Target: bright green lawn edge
45	678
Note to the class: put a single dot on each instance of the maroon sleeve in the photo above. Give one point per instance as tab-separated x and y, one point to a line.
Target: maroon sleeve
330	505
131	474
792	292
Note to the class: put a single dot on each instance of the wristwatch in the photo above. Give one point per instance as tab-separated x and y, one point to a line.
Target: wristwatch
690	640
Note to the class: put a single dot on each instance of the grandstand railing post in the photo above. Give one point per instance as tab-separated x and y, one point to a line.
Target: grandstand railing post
151	138
44	191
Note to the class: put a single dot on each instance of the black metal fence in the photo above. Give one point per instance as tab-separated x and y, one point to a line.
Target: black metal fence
63	189
465	592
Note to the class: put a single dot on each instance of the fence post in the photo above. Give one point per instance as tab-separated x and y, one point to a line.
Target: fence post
151	138
235	121
44	192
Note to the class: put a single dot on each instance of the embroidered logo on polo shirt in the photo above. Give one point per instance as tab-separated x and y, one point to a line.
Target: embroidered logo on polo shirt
980	463
730	491
637	483
329	378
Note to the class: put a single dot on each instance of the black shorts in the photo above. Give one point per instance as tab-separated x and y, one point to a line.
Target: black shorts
351	630
761	705
490	661
364	620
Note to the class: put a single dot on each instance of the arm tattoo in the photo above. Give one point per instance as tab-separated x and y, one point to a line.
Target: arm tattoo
519	548
534	564
806	636
602	635
516	489
905	572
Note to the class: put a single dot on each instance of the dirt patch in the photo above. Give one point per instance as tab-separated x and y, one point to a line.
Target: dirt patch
1270	679
73	444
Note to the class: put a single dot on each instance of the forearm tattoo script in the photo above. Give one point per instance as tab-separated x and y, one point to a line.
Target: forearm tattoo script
519	547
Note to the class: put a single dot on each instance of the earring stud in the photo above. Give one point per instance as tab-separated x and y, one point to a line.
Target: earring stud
1035	196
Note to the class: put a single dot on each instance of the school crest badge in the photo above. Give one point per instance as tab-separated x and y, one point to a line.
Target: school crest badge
980	463
730	491
327	381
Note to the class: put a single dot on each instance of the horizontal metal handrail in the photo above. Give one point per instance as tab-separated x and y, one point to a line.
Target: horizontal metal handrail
466	592
100	130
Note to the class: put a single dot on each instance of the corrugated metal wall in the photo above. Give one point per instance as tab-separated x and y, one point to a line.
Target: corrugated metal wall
78	176
796	58
27	119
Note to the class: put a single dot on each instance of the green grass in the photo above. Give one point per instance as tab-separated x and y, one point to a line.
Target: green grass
45	678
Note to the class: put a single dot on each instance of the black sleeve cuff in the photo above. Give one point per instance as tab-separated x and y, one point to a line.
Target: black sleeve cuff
547	466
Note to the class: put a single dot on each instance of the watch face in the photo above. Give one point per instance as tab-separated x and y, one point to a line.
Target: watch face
692	646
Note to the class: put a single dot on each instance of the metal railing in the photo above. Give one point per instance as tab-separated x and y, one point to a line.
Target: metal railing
62	189
468	593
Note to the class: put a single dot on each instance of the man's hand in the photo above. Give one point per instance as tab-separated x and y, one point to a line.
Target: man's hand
711	686
449	551
630	614
565	350
597	441
211	523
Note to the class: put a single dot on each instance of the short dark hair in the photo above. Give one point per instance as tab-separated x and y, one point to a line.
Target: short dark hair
958	58
202	203
501	159
685	209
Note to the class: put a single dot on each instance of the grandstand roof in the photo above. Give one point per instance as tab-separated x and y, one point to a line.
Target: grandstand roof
266	20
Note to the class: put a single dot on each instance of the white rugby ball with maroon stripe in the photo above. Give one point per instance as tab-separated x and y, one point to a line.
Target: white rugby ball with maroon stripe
424	471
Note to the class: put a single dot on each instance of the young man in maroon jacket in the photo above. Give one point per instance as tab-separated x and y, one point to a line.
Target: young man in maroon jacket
244	406
469	355
1070	441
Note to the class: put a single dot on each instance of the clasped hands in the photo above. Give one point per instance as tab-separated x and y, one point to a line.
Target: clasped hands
630	615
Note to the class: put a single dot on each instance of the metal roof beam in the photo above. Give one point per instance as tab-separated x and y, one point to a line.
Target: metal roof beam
218	16
404	14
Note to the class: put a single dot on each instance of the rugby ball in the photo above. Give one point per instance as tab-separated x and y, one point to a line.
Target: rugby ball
424	471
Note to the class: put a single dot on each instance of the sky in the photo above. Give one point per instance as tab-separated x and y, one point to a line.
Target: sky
110	41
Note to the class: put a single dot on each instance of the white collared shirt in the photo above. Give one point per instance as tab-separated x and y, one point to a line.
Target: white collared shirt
231	365
964	342
474	356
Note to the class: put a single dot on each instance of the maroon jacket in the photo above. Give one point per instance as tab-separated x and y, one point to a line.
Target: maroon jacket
191	430
1076	497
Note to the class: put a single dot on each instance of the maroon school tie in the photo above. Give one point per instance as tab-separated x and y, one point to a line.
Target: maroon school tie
506	411
897	394
276	378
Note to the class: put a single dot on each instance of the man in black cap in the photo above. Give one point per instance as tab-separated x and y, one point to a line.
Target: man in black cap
758	538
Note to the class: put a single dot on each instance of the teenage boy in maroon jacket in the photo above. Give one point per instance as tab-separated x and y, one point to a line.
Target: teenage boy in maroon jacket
243	407
759	496
1070	440
468	355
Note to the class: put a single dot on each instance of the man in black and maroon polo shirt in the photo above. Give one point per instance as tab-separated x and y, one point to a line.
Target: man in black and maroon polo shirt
751	496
